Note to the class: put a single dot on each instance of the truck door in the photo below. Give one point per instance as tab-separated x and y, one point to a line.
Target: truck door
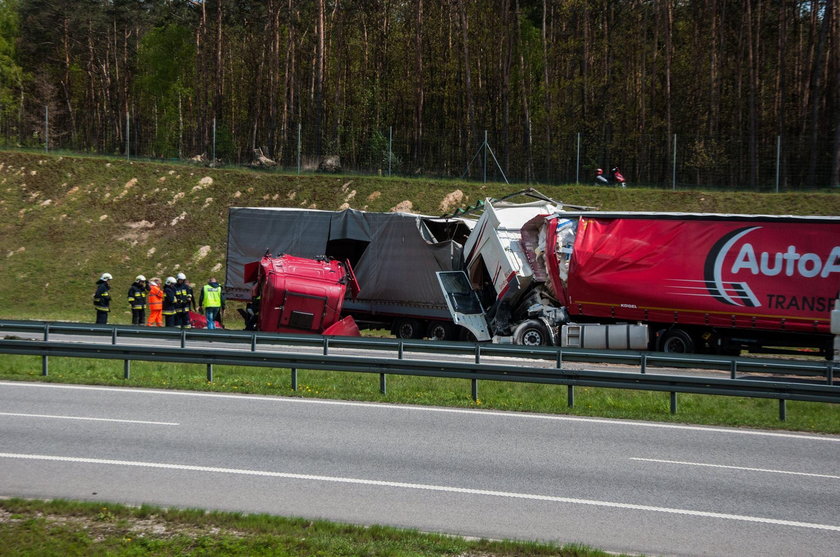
463	303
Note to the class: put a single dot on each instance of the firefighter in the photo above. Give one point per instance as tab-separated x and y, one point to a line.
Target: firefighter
102	298
137	296
170	303
186	301
155	303
212	299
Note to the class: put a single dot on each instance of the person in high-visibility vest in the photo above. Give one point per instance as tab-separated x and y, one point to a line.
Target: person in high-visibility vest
155	303
102	298
212	299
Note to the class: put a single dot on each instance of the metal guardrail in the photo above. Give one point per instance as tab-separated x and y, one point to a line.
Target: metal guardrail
255	349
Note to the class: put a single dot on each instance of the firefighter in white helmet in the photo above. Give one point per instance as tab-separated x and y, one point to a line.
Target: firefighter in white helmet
186	301
170	303
138	294
102	298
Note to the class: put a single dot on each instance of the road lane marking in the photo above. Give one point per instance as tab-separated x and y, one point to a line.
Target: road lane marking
425	487
419	408
143	422
744	468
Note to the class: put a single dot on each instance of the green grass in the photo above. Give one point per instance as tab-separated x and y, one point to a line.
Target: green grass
497	395
63	528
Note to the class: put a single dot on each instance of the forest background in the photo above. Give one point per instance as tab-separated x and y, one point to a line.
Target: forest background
717	93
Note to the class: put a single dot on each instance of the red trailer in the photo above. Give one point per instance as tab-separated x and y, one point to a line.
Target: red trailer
298	295
679	282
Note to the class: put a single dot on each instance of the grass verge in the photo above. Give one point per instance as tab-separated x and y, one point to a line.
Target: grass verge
497	395
70	528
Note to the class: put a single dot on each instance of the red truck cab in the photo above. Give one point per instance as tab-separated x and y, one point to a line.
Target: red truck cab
299	295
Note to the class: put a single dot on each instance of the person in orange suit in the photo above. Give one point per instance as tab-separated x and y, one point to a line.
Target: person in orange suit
155	303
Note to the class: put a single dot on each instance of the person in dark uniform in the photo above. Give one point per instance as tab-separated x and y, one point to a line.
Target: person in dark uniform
102	298
170	303
137	298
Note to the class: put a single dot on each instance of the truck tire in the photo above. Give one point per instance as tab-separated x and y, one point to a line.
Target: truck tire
531	333
676	341
408	329
441	330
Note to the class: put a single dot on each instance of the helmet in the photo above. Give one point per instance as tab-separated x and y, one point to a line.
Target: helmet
182	276
170	280
599	171
106	276
140	278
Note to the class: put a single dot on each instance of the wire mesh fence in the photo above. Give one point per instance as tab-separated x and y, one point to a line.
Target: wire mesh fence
677	161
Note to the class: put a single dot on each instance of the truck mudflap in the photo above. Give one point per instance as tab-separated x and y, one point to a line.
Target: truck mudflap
463	303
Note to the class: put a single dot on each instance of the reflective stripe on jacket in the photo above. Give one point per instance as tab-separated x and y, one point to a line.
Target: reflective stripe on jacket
137	296
102	297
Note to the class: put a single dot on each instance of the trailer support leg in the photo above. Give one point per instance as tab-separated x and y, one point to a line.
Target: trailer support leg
294	379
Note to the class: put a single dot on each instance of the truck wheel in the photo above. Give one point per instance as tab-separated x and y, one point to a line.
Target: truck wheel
531	333
677	341
408	328
440	330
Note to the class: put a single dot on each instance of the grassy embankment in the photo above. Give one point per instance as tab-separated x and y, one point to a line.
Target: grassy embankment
64	220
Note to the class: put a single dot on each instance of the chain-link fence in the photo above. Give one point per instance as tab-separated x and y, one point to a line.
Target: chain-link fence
673	162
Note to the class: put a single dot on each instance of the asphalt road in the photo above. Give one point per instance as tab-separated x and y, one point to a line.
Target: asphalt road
621	486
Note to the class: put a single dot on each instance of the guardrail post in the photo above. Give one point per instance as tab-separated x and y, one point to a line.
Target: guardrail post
382	385
210	373
570	396
560	359
183	338
126	369
673	402
114	335
733	369
829	373
643	366
294	379
326	346
254	342
45	363
400	351
474	389
782	410
478	353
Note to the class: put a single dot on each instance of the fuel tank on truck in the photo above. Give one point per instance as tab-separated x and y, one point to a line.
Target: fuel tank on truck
300	295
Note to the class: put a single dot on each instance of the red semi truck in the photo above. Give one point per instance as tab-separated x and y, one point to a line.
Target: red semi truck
675	282
298	295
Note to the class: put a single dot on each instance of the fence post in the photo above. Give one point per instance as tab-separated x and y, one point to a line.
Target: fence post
782	410
209	373
674	166
382	384
127	132
673	402
570	396
778	160
127	369
485	156
577	164
390	147
298	149
213	156
294	379
474	389
46	129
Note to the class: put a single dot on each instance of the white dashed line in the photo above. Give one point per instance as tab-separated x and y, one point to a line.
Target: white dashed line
744	468
426	487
